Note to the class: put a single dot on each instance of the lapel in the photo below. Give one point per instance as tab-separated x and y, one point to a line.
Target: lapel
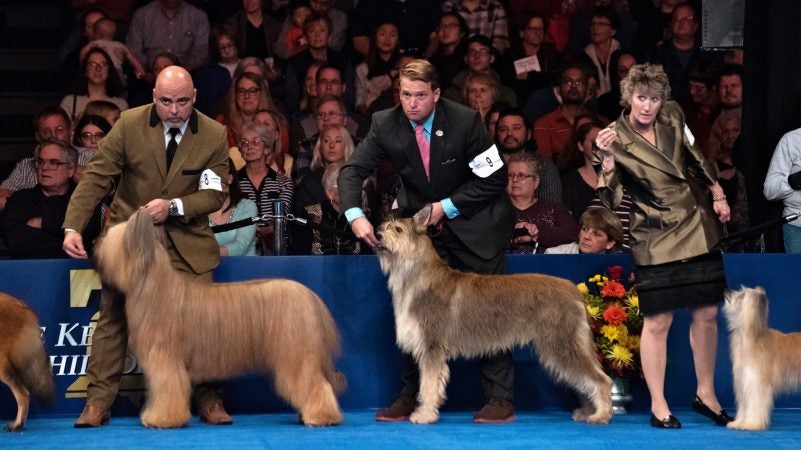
636	147
184	147
158	145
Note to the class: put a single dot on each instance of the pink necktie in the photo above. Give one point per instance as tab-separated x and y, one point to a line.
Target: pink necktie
424	146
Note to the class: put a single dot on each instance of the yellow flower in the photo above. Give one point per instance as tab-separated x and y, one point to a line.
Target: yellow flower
620	354
582	287
612	332
633	301
594	311
595	279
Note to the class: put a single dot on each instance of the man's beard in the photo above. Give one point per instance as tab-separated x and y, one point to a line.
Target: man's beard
521	145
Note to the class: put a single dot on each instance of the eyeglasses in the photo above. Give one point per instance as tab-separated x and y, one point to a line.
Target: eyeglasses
330	114
483	52
97	65
574	83
244	143
226	47
685	19
519	176
93	136
40	163
247	92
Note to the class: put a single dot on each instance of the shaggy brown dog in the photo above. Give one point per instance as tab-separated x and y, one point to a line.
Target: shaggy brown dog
765	362
24	365
441	313
184	331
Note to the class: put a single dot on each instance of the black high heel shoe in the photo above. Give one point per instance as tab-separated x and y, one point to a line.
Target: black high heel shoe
720	419
668	422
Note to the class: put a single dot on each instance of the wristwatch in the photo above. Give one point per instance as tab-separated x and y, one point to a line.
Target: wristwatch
173	211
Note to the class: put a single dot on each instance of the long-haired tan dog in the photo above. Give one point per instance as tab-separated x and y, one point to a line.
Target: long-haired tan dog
184	331
442	313
765	362
24	365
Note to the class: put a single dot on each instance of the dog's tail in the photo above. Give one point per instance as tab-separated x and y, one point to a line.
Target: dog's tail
30	361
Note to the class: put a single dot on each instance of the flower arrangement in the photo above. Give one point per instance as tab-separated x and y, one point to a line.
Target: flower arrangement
615	319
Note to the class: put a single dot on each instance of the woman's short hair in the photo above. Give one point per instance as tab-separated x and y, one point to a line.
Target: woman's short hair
421	70
89	119
605	220
527	158
646	77
261	130
482	78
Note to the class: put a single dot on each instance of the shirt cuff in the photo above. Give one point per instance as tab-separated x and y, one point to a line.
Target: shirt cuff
353	214
449	208
180	206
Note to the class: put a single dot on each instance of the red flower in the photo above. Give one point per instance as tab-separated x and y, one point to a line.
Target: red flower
613	289
615	314
615	272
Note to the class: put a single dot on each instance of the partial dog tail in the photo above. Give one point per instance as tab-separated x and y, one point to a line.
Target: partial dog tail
30	360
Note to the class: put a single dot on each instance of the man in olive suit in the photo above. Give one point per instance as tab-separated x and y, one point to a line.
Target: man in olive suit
170	160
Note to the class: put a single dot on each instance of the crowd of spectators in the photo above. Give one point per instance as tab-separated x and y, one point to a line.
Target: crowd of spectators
297	81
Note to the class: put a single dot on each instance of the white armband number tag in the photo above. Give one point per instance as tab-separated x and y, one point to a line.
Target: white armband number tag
209	180
487	163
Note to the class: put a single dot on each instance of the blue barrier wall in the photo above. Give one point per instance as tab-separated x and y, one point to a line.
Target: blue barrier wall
355	291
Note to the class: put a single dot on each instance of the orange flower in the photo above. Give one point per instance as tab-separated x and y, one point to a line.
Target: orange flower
613	289
615	314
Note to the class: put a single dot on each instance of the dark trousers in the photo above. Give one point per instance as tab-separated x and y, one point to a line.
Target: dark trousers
497	370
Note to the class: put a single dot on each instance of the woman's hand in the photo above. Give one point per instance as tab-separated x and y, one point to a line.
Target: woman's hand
533	232
604	142
721	208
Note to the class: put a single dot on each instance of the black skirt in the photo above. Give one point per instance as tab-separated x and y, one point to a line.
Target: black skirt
698	281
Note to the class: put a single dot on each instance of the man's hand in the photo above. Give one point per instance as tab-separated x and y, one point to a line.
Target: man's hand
73	245
363	229
437	215
158	209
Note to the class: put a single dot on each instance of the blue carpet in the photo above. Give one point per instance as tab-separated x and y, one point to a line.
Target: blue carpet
552	429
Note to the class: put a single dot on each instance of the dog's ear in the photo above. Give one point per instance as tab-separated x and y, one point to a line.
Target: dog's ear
140	237
421	218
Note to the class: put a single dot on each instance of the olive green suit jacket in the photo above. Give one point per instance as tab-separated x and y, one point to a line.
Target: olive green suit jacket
672	217
134	152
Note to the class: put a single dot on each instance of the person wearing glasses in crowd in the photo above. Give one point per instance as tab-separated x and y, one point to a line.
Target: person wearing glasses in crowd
479	57
540	223
50	121
248	93
534	60
259	182
31	222
89	130
96	81
553	130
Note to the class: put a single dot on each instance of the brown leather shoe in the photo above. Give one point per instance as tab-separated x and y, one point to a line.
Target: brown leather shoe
92	416
495	411
214	414
399	411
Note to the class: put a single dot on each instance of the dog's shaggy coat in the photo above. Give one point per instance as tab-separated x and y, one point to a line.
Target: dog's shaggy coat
184	331
765	362
24	365
442	313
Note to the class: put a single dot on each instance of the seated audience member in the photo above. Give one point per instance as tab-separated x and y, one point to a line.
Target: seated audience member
89	130
600	231
105	109
224	49
97	80
372	75
328	231
534	59
577	173
480	92
259	182
609	102
175	26
553	130
256	30
730	86
416	19
291	40
449	56
330	111
337	18
68	57
103	36
282	161
602	52
32	221
512	136
487	18
723	136
50	122
703	106
540	223
334	145
248	93
479	58
235	207
140	92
